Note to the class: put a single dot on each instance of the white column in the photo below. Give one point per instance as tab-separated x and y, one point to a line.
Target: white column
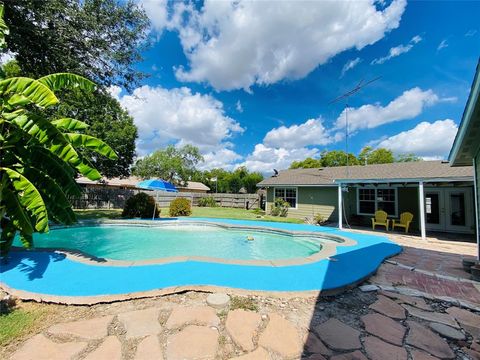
421	201
477	205
340	208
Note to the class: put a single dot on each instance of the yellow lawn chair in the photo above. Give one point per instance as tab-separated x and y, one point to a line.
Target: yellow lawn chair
404	222
381	218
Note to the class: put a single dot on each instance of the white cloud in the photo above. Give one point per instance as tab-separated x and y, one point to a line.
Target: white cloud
407	106
223	158
179	116
398	50
236	44
427	140
239	106
265	159
157	13
115	91
350	65
311	132
471	32
443	44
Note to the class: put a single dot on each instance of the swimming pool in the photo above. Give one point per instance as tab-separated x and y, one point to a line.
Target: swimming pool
130	242
74	277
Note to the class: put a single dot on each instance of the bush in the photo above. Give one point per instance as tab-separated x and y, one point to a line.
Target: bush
319	219
279	208
140	205
180	207
208	201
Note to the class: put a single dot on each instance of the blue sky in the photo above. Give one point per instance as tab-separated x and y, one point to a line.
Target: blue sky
250	83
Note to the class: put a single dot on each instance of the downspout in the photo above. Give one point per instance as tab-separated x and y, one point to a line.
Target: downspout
477	208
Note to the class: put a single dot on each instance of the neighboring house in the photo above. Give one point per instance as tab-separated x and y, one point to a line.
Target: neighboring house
194	186
439	196
132	181
466	147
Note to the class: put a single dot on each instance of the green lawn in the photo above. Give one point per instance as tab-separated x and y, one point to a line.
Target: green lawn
98	214
20	322
229	213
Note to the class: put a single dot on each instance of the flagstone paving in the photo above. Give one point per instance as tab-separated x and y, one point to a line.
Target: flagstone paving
343	327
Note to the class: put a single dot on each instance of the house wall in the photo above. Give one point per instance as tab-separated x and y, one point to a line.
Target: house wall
407	201
310	202
477	186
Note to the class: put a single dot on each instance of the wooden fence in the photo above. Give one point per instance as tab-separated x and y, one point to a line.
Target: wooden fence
104	198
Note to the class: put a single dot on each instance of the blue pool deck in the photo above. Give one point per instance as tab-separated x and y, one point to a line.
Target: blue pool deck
54	274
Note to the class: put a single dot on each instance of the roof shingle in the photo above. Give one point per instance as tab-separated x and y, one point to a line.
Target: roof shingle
420	170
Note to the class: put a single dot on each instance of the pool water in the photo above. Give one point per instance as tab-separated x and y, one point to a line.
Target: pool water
144	243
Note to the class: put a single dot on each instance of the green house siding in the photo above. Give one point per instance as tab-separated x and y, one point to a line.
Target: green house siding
477	185
311	201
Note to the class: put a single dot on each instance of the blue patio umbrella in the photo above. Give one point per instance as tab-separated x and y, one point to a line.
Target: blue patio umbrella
157	184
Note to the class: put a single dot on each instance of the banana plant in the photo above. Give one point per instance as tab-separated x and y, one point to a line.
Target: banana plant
40	157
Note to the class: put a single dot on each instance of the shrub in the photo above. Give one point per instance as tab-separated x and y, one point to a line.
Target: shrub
319	219
140	205
279	208
180	207
208	201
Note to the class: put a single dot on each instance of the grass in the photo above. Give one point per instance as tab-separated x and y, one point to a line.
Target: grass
98	214
231	213
245	303
218	212
20	322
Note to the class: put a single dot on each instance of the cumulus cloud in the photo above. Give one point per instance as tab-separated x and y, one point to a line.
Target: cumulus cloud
427	140
350	65
239	106
264	159
407	106
311	132
398	50
179	116
223	158
230	45
443	44
157	12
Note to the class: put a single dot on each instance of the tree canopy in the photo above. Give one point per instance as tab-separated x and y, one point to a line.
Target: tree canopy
100	40
367	156
225	181
108	121
176	165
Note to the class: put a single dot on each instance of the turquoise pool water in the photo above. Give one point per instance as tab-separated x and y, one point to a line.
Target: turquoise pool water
144	243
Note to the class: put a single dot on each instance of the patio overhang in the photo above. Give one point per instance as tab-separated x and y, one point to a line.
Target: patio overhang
419	183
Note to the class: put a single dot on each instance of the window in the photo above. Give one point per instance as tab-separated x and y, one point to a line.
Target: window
373	199
287	194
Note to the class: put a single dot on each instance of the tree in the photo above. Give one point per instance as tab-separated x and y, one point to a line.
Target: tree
176	165
100	40
251	180
368	156
308	163
407	158
108	121
38	156
337	158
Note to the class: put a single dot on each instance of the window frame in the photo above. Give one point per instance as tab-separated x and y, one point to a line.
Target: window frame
285	188
376	188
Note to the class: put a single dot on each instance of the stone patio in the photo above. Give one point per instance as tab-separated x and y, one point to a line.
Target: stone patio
348	326
420	305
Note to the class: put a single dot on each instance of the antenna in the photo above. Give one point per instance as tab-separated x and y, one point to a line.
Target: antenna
345	96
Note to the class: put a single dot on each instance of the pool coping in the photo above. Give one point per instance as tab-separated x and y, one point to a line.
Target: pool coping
211	285
327	251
